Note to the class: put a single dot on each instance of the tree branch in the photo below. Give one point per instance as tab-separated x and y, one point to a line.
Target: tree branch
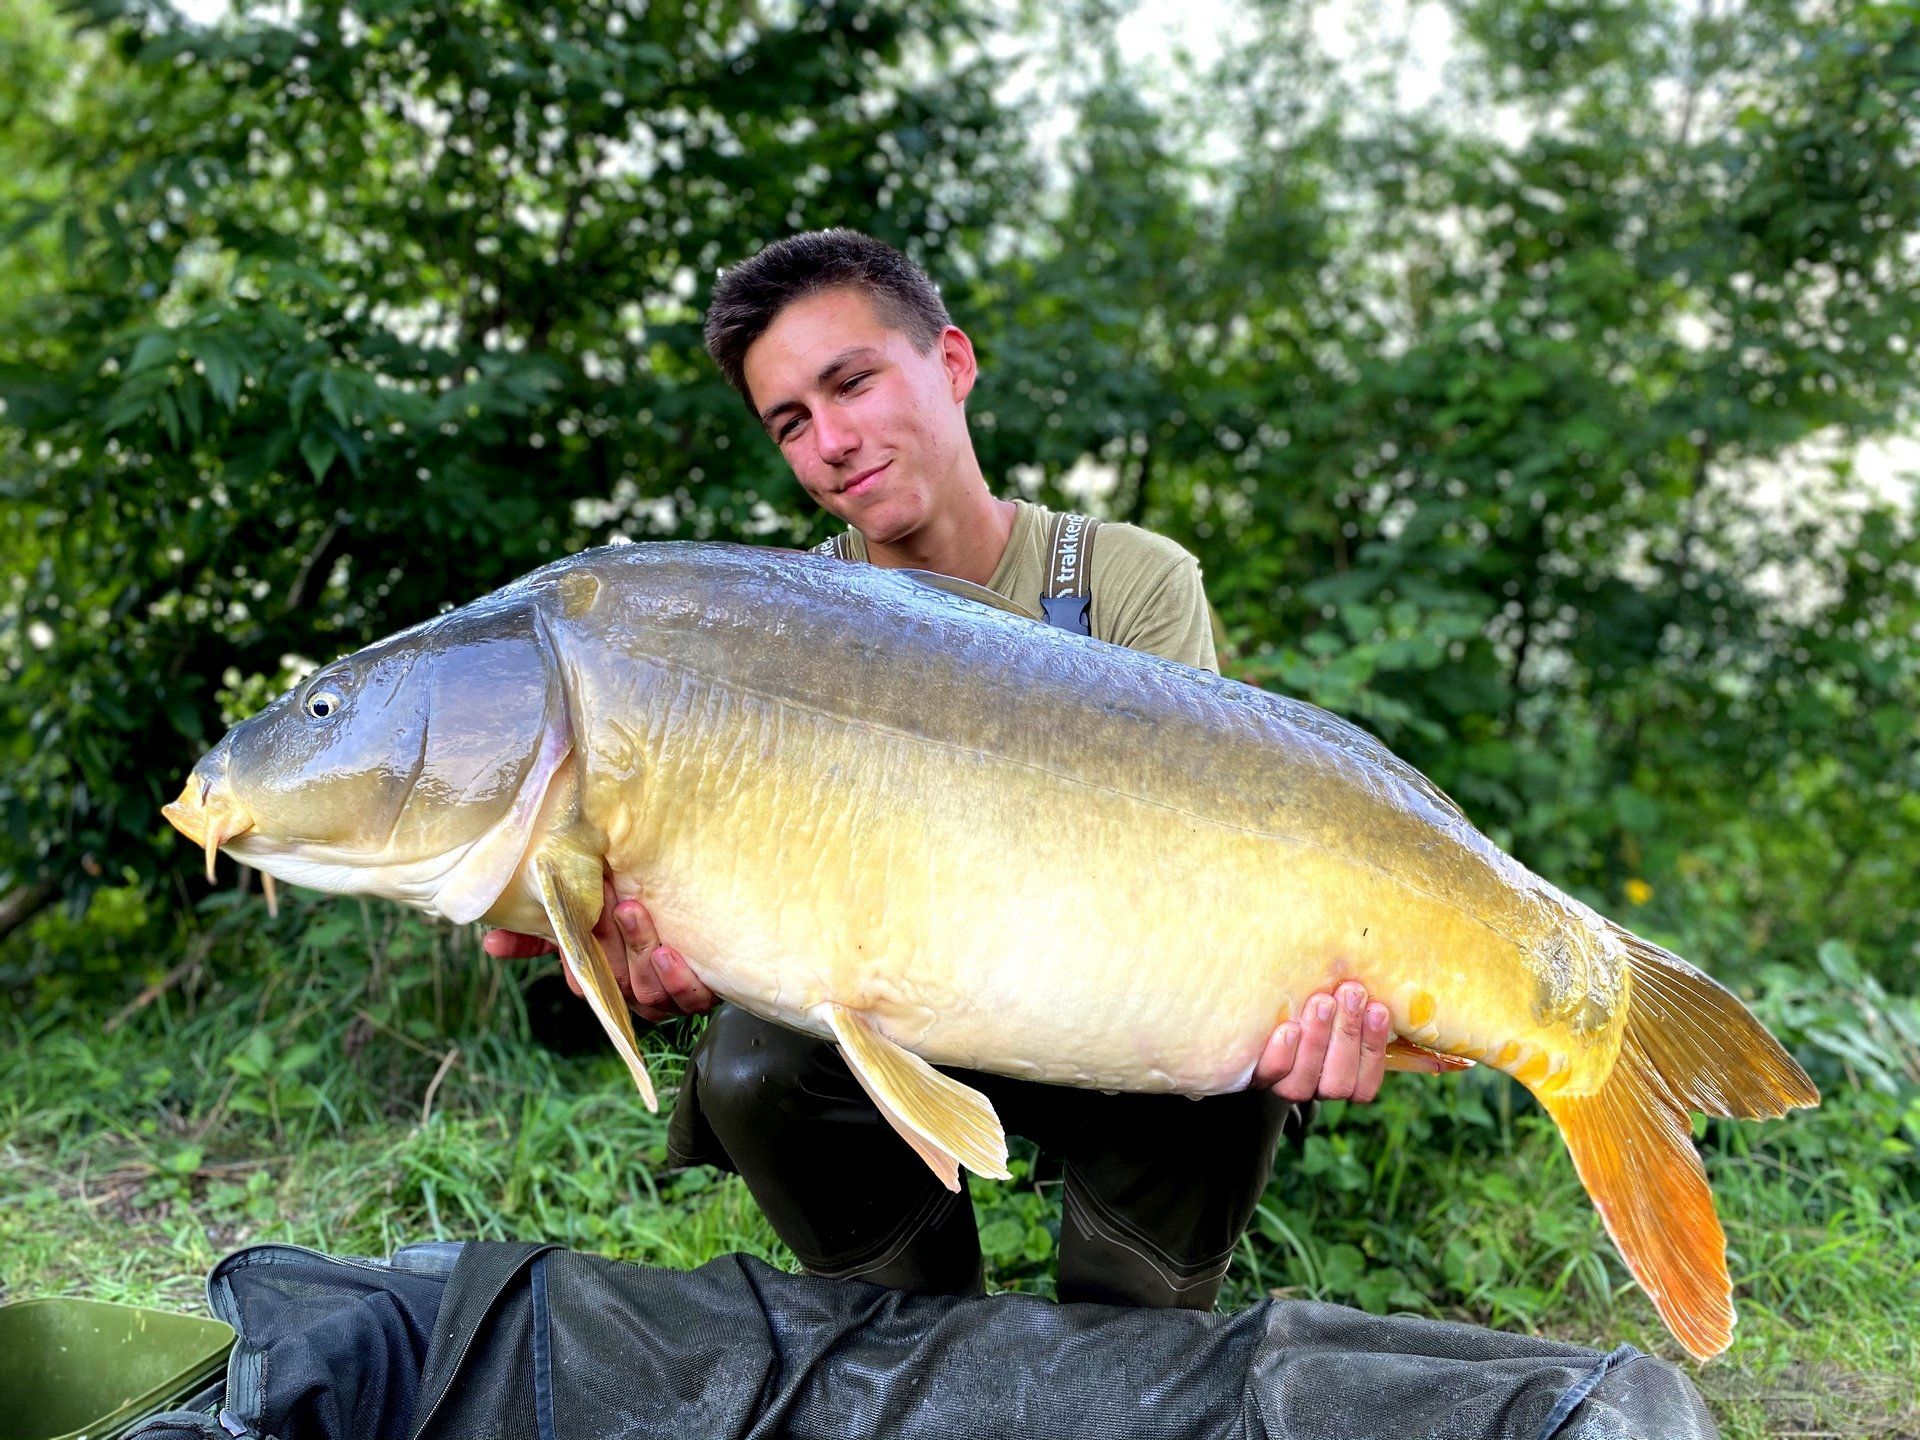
21	904
297	591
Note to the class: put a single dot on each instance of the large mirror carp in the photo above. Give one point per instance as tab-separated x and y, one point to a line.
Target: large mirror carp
871	808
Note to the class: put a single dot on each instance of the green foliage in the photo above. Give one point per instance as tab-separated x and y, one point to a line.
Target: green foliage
1517	457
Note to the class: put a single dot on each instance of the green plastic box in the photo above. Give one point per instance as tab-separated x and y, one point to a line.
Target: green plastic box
87	1369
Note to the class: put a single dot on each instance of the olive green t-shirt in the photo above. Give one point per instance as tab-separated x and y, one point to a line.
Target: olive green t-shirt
1145	589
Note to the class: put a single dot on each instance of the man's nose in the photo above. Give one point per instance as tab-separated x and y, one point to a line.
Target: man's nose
834	438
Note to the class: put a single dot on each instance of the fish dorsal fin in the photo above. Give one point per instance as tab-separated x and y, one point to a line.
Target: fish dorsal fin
966	590
947	1124
570	889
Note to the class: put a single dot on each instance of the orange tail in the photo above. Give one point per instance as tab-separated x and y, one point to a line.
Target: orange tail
1690	1045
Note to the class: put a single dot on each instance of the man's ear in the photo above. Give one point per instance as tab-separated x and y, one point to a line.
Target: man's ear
956	354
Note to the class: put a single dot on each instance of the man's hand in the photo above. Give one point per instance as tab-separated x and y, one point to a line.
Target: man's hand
1335	1050
655	978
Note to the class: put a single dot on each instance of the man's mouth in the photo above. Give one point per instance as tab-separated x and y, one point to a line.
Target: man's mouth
863	481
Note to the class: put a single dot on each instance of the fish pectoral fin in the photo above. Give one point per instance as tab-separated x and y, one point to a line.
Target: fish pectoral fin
1405	1055
570	889
947	1124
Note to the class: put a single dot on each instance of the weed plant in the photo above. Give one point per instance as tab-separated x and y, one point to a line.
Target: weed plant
351	1078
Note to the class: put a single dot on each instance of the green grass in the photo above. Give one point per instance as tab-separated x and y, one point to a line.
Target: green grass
350	1079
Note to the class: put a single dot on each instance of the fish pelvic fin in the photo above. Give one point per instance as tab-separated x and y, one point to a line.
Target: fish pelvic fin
1689	1045
947	1124
570	889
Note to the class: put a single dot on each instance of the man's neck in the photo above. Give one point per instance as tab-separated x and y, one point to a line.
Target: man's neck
964	538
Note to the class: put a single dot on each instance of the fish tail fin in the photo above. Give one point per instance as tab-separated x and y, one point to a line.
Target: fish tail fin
1704	1044
1633	1148
1690	1045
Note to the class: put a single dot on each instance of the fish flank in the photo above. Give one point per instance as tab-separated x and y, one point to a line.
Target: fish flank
785	703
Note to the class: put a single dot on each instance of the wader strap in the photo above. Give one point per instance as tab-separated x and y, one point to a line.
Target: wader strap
1066	598
839	546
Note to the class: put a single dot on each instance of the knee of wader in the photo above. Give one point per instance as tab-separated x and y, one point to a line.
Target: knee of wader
750	1069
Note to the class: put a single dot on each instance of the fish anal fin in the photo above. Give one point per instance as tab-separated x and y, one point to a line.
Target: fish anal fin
1406	1055
570	890
1633	1149
947	1124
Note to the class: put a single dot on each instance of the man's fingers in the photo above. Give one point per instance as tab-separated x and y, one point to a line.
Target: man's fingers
1276	1061
642	940
608	934
636	924
1341	1074
656	980
512	945
681	983
1316	1029
1374	1035
573	984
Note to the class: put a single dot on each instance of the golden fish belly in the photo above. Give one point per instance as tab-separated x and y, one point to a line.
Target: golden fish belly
989	913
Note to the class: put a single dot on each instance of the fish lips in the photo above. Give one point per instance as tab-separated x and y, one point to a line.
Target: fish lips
208	816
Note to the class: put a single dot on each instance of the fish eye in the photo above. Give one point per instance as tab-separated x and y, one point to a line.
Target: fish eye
323	704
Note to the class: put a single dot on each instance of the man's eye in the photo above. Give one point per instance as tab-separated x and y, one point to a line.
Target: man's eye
853	381
786	431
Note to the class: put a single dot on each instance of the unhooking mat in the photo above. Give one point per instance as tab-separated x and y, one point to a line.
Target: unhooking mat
531	1342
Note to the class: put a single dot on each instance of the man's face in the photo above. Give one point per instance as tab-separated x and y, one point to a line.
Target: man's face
872	428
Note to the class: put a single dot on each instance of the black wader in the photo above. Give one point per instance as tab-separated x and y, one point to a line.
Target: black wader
1157	1191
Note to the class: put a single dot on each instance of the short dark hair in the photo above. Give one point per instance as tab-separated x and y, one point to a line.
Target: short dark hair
749	297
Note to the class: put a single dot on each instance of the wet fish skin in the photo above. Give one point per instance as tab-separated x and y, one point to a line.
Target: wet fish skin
1094	792
933	832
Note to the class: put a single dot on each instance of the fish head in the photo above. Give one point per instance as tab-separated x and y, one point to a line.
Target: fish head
417	768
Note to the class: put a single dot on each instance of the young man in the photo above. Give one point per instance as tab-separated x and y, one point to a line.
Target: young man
845	354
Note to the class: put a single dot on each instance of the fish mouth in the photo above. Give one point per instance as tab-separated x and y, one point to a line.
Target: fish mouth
207	817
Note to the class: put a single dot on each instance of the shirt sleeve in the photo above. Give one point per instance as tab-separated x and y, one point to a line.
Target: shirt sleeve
1168	616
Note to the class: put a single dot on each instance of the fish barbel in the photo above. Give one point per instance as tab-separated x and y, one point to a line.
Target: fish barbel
869	806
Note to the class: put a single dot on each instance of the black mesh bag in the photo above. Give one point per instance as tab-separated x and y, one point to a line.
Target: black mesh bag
561	1344
530	1342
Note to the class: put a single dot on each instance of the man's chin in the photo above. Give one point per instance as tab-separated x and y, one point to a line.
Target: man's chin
884	528
880	523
